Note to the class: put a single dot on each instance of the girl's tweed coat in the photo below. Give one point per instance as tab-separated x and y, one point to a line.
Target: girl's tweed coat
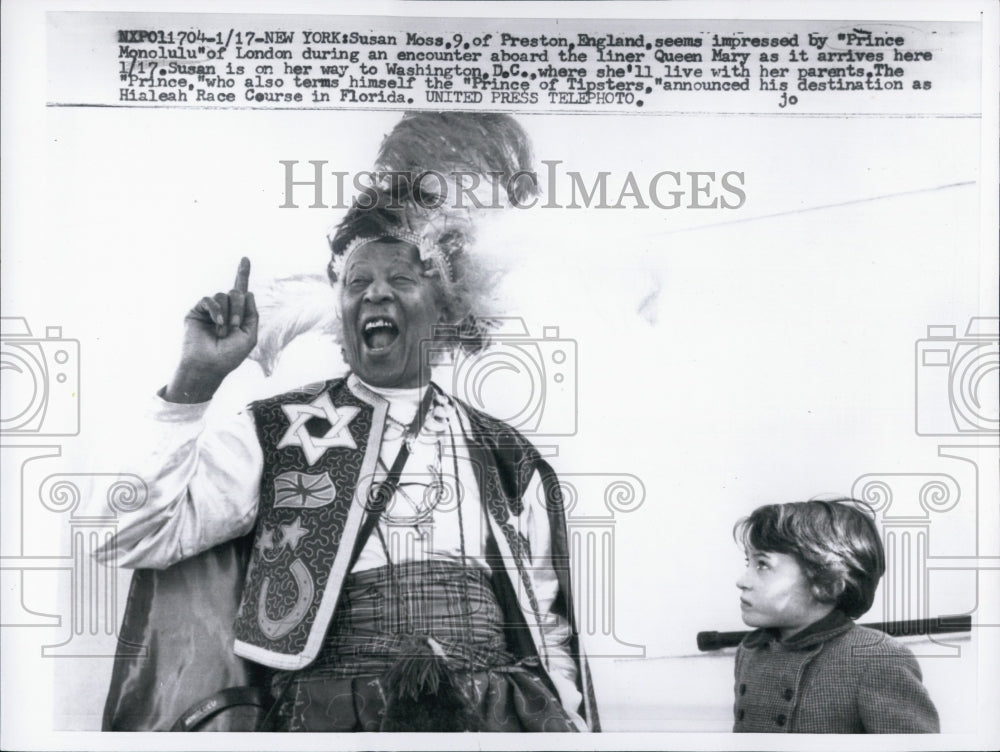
834	677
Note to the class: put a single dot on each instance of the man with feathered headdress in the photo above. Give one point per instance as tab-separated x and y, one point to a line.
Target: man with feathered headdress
402	558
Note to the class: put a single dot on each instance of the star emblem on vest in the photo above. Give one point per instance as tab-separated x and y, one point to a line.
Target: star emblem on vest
313	447
292	533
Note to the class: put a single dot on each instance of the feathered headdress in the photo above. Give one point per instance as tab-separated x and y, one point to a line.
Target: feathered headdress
437	173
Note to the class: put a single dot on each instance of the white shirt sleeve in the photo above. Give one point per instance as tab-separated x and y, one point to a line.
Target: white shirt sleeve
201	484
556	630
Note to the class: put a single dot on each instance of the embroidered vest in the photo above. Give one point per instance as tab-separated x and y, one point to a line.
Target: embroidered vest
320	447
319	458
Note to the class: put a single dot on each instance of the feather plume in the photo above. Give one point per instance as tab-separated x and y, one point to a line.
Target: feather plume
288	307
450	142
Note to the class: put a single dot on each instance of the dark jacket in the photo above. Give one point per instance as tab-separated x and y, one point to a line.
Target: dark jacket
834	677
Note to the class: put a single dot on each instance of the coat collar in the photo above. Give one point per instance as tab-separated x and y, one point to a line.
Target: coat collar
833	624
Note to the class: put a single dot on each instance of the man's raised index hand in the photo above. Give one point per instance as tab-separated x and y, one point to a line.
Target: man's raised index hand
220	331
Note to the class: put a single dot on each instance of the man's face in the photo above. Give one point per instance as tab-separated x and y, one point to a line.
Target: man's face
776	593
388	307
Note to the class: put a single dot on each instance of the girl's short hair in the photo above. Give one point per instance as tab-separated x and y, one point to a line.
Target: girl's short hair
836	542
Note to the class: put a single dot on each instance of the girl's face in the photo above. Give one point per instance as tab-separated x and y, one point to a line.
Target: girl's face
774	592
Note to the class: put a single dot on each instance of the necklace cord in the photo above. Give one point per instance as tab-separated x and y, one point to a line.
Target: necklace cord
379	497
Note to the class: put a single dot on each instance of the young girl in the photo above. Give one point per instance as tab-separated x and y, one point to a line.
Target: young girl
812	567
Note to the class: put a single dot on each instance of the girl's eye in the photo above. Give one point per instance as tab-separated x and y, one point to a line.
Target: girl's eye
402	279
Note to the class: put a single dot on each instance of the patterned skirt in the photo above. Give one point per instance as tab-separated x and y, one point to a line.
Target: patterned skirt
381	615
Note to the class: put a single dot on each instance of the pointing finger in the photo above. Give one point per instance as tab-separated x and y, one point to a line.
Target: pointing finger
242	282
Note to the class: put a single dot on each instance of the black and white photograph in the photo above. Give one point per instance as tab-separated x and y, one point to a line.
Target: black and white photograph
414	374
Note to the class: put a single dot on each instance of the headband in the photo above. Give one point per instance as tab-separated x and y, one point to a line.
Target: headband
439	235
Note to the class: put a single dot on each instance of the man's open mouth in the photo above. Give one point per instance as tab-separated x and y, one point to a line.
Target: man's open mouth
379	332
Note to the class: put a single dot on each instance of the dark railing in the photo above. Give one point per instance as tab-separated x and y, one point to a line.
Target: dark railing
909	628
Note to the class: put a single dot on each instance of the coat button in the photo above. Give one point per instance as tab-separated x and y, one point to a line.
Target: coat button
780	720
789	694
739	716
743	689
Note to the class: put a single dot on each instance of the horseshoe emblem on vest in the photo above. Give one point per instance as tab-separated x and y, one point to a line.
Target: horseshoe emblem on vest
275	629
